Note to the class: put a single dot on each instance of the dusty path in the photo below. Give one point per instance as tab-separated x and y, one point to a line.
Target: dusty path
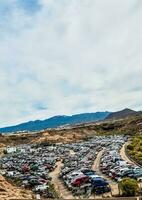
96	165
124	157
123	154
63	192
113	184
61	189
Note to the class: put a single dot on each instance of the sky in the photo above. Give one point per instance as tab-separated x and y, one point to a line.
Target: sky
62	57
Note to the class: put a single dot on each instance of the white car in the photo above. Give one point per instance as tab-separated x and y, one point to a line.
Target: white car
41	187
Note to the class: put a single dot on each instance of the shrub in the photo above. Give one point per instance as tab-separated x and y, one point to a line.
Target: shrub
135	148
129	187
130	147
138	155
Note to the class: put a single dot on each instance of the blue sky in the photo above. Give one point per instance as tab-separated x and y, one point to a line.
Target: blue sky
30	6
69	56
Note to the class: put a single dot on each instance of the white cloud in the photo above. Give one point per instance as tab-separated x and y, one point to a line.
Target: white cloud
70	57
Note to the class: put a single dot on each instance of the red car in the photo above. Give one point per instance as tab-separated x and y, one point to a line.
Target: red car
49	167
78	181
25	168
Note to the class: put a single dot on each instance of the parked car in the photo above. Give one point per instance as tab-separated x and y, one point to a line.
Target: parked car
80	180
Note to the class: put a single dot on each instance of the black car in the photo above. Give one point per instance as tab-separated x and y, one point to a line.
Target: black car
88	172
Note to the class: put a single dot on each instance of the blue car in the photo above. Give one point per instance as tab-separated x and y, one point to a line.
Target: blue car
99	182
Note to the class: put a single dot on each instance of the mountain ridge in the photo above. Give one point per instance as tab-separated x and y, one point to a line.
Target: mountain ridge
122	114
73	120
56	121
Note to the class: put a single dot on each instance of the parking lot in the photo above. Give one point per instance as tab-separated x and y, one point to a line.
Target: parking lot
90	168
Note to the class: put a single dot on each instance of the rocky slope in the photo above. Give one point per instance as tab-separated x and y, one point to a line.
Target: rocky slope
9	192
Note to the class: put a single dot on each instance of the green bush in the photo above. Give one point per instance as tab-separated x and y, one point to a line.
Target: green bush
130	147
135	148
138	155
129	187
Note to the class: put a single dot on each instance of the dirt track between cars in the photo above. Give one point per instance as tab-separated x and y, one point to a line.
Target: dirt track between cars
113	184
66	194
62	191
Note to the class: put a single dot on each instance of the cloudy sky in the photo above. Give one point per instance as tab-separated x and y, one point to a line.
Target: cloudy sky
69	56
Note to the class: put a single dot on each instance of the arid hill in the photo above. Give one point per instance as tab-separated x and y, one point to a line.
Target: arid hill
129	125
9	192
123	114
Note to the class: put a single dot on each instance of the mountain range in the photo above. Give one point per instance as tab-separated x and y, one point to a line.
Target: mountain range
58	121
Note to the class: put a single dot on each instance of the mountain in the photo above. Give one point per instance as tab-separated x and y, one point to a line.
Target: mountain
121	114
56	121
129	126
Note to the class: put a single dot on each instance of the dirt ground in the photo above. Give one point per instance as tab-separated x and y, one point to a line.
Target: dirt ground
113	184
123	154
63	192
9	192
66	194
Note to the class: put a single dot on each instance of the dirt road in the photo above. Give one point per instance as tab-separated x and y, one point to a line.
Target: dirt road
124	157
63	192
123	154
96	165
113	184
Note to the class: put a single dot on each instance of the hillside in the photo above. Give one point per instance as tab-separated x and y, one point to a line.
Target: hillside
74	120
135	149
56	122
130	125
121	114
9	192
